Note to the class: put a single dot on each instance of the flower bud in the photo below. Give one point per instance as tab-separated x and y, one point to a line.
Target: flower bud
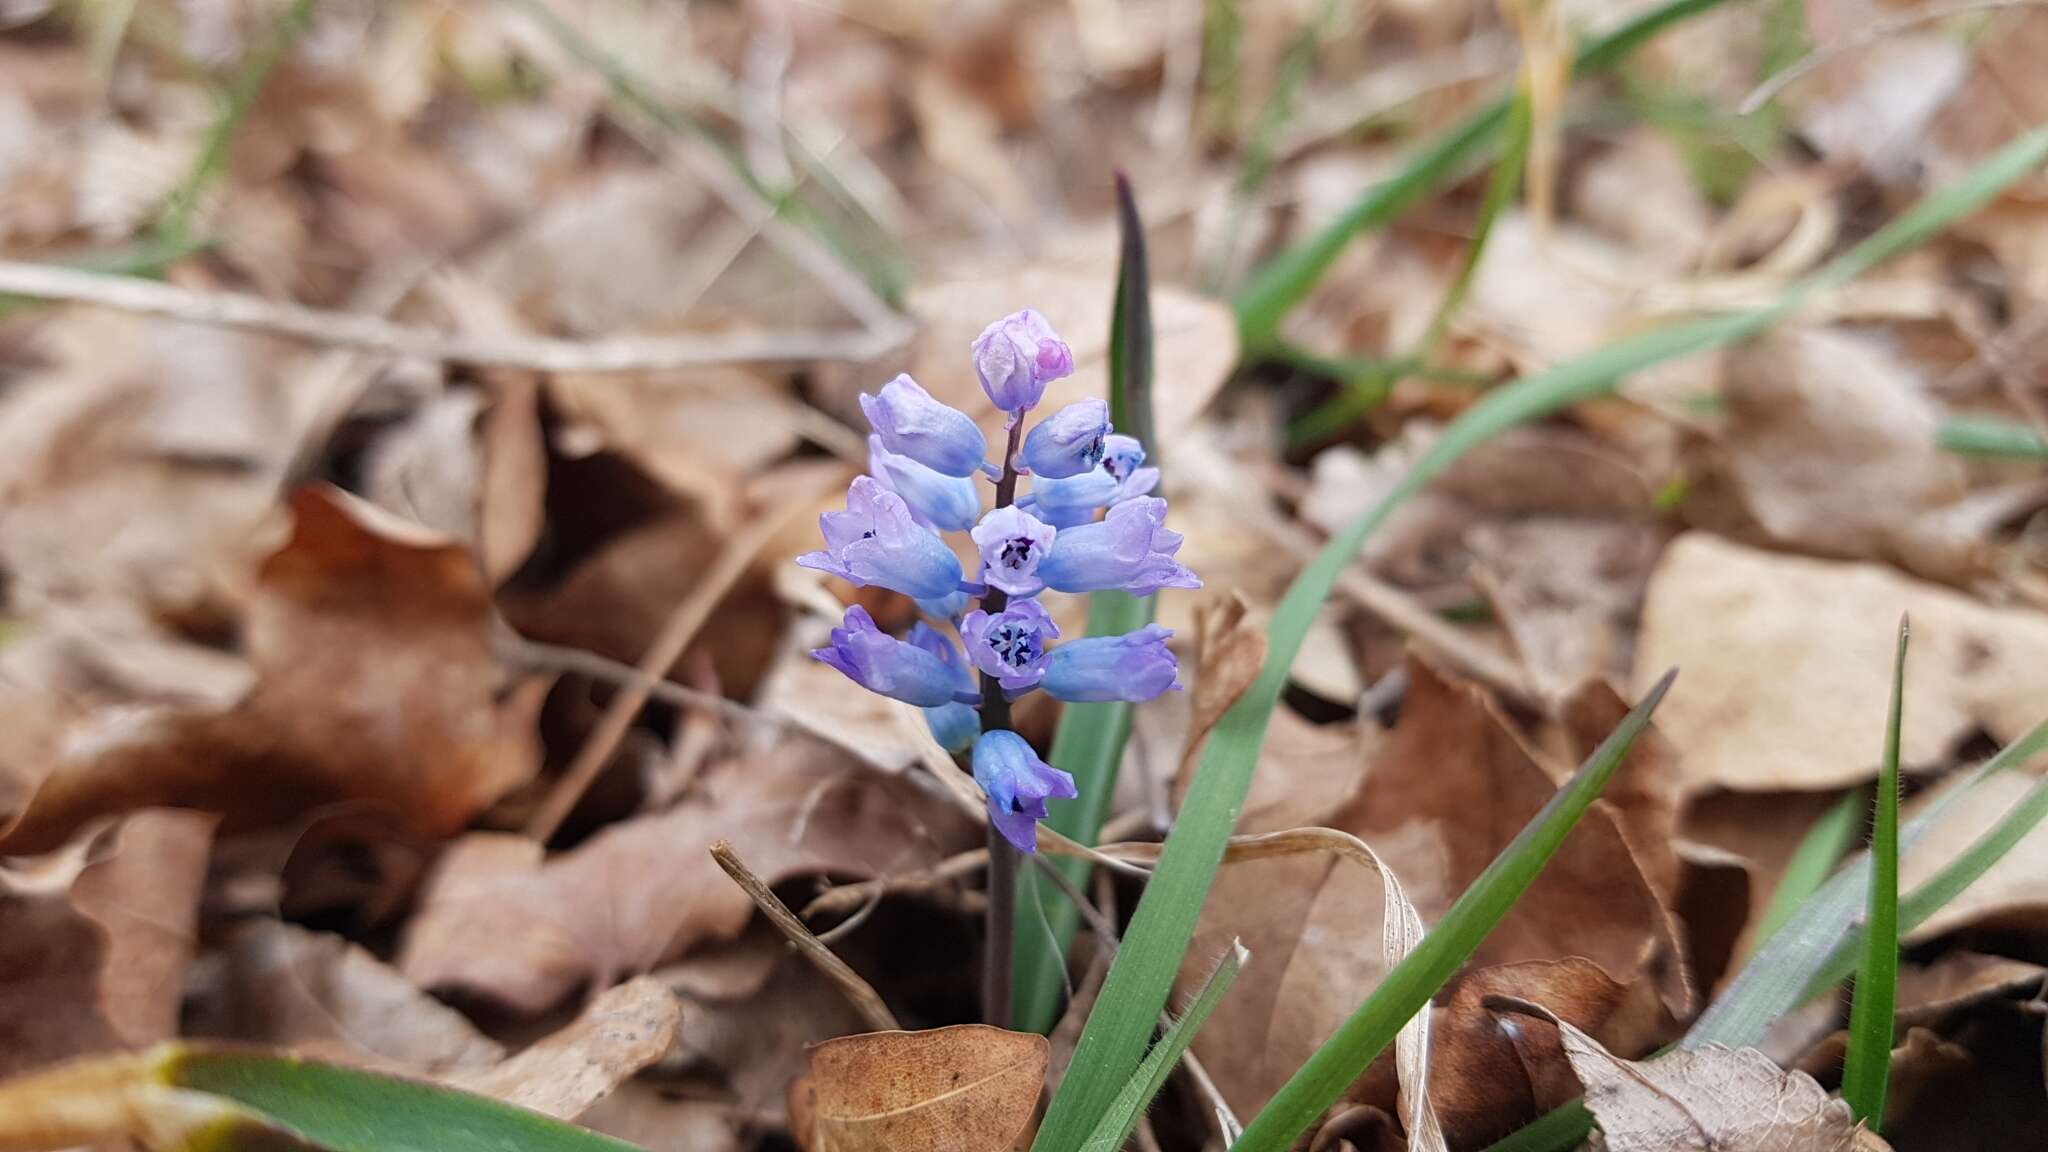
1018	784
947	503
880	663
1067	443
911	423
1130	549
875	540
1016	357
1135	666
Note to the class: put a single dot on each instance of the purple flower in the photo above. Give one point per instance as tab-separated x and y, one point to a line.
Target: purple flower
1012	543
1010	645
1135	666
954	725
876	541
1073	501
1067	443
1018	784
915	673
1121	455
948	503
1130	549
911	423
1016	357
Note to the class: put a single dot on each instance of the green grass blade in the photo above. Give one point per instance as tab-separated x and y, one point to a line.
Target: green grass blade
1408	988
1559	1130
1867	1065
1285	280
174	227
1363	393
1819	851
1089	743
350	1111
1991	436
1136	989
1116	1124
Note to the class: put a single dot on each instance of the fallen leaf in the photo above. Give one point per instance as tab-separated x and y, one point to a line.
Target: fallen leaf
1785	664
1712	1099
969	1086
94	943
619	1033
325	997
375	682
645	890
1569	592
1831	446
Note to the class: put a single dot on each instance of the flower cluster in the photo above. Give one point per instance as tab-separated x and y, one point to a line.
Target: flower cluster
923	461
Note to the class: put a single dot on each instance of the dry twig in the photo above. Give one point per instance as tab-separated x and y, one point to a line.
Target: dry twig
858	992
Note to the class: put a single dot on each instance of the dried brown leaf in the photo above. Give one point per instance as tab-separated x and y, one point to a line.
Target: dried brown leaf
619	1033
969	1086
646	890
1782	655
94	943
1710	1099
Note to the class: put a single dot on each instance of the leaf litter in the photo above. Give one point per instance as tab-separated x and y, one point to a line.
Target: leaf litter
325	709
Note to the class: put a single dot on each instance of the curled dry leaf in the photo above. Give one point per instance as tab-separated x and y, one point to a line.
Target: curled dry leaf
94	943
375	683
969	1086
646	890
1710	1099
1783	655
619	1033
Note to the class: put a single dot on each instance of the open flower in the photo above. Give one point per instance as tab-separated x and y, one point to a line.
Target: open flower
1121	458
1135	666
1016	357
1131	549
1010	645
875	540
1012	543
1068	442
948	503
1018	784
880	663
911	423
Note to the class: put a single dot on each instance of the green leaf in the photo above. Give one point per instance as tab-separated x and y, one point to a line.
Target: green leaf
350	1111
1288	278
1408	988
1559	1130
1139	979
1116	1124
1089	743
1818	853
1364	392
1991	436
1867	1064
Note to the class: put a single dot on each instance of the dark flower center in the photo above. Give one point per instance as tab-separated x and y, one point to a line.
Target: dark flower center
1093	453
1015	644
1016	552
868	535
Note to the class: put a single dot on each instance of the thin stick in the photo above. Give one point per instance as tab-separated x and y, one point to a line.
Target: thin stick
536	656
848	897
1863	38
858	992
356	330
682	627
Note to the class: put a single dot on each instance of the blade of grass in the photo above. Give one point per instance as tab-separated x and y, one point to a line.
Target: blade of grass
1867	1064
1991	436
1819	851
1408	988
174	227
1089	742
1114	1039
1559	1130
1117	1123
1362	394
1288	278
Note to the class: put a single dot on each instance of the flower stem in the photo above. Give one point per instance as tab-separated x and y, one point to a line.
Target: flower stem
1002	858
